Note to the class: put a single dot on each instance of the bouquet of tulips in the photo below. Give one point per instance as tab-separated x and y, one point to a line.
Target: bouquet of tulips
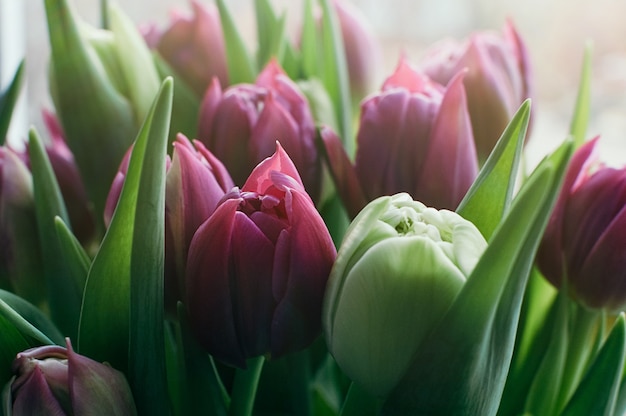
211	227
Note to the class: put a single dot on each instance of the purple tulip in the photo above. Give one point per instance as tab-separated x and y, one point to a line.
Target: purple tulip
257	268
53	380
241	125
498	79
415	136
193	46
584	241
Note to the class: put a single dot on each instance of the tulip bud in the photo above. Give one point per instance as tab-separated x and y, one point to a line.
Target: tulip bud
582	248
53	380
497	82
398	271
241	125
257	268
21	268
193	46
361	47
415	136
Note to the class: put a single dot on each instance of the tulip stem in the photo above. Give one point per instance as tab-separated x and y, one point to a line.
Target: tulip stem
359	402
244	387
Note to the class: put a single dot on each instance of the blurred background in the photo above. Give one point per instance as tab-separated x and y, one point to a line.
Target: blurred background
555	32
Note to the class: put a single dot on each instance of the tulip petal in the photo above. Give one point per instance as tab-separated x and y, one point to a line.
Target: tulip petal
208	107
36	398
260	179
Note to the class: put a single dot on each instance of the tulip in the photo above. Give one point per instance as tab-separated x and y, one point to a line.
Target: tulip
582	248
398	271
193	46
257	268
415	136
241	124
497	82
21	268
361	47
52	380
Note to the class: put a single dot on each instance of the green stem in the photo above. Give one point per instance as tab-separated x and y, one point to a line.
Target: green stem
359	402
244	387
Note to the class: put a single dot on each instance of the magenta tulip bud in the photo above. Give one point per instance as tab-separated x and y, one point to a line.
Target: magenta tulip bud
363	53
53	380
196	182
193	46
497	82
415	136
583	245
257	268
241	125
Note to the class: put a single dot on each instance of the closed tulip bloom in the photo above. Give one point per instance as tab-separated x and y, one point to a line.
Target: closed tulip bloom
257	268
241	124
583	246
497	82
193	46
399	269
53	380
415	136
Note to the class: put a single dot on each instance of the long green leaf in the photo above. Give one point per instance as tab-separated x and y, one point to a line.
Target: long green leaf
489	198
34	316
580	120
270	32
241	68
309	43
8	98
64	294
461	367
73	255
597	392
104	331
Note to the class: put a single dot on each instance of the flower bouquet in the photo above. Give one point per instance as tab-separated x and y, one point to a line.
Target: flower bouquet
206	230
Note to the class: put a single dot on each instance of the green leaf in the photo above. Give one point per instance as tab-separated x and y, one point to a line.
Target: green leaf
334	73
597	392
73	254
64	294
309	43
136	62
489	197
461	366
241	69
580	120
270	32
46	330
105	321
97	120
8	98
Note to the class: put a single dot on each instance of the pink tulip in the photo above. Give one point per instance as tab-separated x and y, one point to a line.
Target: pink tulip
584	241
241	124
257	268
498	79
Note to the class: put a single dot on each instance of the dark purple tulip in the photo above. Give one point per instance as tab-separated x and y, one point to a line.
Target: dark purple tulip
498	79
241	124
53	380
193	46
257	268
415	136
584	242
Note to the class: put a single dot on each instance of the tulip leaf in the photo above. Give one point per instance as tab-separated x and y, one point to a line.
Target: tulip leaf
45	331
270	32
8	98
334	73
136	63
64	294
597	392
489	197
241	68
309	43
580	120
461	367
97	120
73	254
105	321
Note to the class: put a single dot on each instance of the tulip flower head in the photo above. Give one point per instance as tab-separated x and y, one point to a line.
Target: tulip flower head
257	268
583	246
193	45
53	380
241	124
415	136
498	79
398	271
